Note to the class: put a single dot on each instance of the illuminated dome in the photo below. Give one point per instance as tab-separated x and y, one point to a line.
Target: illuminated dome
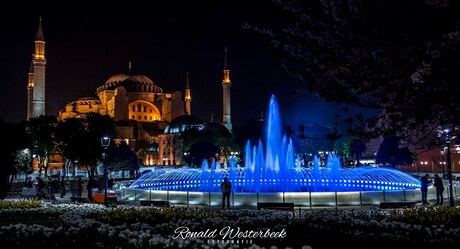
184	122
131	82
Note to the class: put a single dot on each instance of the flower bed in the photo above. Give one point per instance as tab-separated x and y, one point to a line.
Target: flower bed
95	226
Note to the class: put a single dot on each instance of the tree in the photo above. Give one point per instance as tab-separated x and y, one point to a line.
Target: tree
18	140
23	161
214	133
350	148
193	135
122	157
399	57
390	154
251	130
311	139
67	136
87	142
203	150
42	132
146	149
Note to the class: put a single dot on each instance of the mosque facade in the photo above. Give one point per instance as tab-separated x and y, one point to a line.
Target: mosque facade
141	109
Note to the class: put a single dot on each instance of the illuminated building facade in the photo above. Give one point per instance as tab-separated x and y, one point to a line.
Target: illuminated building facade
141	109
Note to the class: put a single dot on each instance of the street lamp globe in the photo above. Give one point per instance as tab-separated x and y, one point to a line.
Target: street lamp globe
105	142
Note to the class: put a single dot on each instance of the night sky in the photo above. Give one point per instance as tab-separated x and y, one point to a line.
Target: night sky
85	47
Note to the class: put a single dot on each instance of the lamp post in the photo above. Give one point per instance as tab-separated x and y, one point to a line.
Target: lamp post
30	161
105	142
449	167
186	159
74	168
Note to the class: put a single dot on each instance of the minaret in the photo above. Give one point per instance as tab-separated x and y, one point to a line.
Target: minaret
39	62
226	83
188	98
30	91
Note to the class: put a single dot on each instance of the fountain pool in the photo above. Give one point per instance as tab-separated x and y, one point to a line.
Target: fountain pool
273	168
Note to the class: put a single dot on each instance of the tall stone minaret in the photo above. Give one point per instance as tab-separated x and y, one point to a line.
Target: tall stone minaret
30	91
226	83
39	62
188	98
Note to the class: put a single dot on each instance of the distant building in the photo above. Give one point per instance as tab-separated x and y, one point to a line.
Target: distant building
434	161
372	147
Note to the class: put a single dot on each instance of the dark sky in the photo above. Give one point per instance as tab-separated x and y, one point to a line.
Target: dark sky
85	46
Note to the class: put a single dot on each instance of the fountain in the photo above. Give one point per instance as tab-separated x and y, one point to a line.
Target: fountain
274	168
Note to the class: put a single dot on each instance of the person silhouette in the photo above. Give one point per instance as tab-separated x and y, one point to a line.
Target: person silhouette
439	189
62	185
424	188
226	187
41	186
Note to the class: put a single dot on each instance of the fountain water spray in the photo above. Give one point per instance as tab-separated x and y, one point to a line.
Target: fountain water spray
273	167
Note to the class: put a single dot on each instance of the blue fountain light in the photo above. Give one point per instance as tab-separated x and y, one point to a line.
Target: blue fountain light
277	170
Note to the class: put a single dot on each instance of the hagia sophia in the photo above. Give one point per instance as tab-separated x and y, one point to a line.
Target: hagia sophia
141	109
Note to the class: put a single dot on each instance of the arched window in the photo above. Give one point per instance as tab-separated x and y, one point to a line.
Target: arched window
140	108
